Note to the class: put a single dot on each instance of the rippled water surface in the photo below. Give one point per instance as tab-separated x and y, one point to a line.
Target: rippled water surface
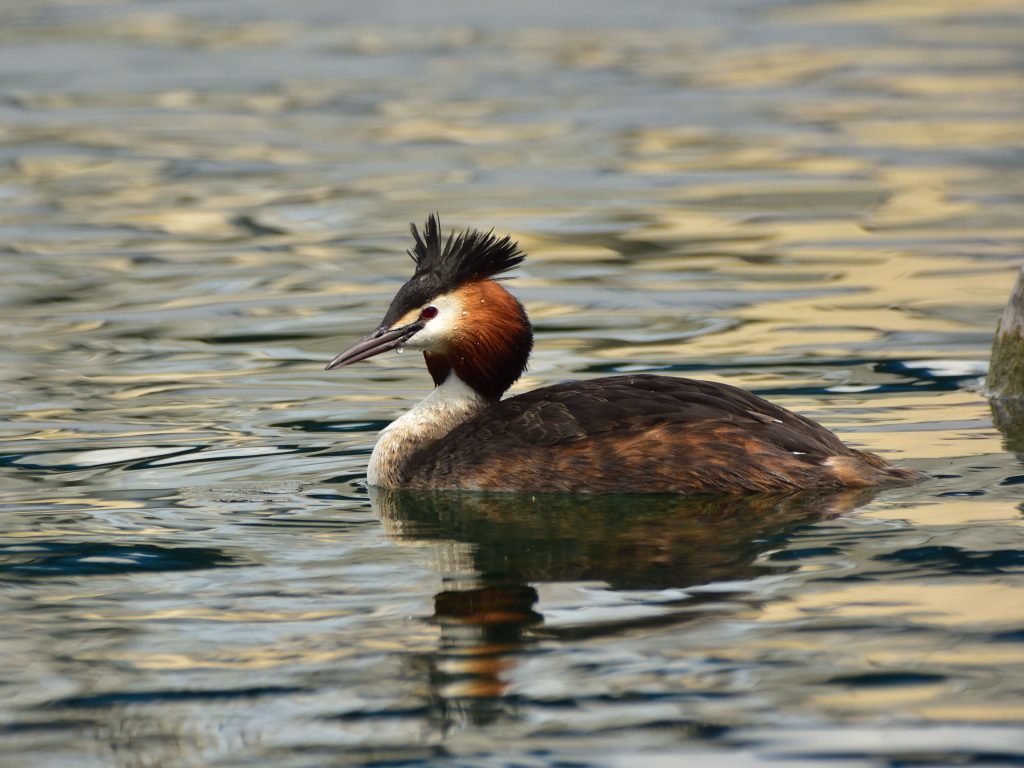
202	202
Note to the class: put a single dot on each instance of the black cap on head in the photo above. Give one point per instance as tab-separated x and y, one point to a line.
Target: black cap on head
440	268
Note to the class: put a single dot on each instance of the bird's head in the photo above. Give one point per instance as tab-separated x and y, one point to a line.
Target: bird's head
454	311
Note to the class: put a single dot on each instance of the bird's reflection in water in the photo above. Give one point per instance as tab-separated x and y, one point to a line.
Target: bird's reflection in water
487	612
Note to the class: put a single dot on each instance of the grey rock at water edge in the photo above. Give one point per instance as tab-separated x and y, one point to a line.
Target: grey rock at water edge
1005	382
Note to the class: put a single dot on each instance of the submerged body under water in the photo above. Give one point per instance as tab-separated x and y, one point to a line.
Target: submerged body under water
817	202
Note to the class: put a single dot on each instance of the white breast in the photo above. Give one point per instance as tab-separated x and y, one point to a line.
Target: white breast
431	419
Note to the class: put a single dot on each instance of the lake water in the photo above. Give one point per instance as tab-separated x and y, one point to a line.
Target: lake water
203	202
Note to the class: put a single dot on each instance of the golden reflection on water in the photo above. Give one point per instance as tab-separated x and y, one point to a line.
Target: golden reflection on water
866	702
955	512
912	10
964	604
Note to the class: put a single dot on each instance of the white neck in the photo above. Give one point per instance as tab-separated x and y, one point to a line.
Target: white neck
450	404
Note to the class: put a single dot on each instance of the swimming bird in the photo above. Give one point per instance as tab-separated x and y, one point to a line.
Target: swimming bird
632	433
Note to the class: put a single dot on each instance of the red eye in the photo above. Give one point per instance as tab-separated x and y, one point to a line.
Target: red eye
428	313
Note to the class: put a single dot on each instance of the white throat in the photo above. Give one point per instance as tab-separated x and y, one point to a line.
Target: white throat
450	404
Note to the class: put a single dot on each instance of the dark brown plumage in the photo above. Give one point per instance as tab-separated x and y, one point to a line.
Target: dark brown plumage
643	434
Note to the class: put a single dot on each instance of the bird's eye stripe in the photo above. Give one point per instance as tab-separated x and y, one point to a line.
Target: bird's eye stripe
428	313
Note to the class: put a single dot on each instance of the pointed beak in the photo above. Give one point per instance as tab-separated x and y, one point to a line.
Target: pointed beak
381	340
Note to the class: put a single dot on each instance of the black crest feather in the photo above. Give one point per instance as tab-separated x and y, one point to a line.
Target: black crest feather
442	266
464	257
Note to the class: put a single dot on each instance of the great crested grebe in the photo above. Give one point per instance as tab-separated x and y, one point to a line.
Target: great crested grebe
618	434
